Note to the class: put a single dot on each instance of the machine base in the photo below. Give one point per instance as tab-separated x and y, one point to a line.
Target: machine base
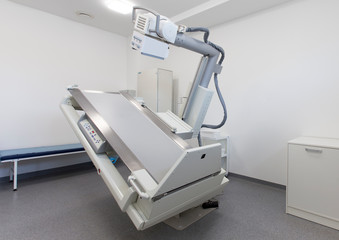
185	219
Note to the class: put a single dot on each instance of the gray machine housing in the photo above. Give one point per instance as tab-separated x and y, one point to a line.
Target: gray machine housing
168	176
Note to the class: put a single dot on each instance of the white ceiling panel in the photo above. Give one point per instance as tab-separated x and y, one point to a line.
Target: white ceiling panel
190	12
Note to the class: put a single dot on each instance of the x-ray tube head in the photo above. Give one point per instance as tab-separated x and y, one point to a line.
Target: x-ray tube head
149	46
156	26
152	34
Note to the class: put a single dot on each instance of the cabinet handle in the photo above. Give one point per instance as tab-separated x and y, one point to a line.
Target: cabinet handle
313	150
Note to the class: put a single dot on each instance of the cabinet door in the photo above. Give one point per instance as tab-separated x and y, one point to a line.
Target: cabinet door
313	180
155	86
165	90
147	88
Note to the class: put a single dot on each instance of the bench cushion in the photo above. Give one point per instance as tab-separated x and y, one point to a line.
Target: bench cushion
39	151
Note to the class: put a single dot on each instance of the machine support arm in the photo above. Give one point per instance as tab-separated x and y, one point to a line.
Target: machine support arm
152	36
206	69
203	48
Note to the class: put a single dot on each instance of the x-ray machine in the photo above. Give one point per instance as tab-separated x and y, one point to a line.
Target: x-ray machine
168	175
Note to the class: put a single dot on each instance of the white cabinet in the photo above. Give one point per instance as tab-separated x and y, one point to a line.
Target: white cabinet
155	87
313	180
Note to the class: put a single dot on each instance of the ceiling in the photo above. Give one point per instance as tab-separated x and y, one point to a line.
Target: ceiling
197	13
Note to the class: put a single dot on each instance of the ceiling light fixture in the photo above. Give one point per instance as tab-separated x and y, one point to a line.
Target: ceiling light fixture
84	15
120	6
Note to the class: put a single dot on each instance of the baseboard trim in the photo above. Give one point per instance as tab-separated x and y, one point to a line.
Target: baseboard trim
89	165
276	185
52	171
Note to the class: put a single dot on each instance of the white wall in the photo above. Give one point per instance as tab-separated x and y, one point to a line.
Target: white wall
40	55
280	78
280	81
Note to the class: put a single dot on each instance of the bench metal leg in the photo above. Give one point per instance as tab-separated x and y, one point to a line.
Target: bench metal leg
11	174
15	173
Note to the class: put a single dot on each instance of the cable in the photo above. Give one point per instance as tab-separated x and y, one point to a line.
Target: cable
200	29
221	99
206	35
222	58
216	83
220	49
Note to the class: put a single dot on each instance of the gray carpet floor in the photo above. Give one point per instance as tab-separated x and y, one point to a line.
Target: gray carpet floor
77	205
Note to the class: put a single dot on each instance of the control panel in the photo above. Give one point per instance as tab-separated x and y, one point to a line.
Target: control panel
97	143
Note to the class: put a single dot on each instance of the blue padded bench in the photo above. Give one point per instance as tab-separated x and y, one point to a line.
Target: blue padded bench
16	155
